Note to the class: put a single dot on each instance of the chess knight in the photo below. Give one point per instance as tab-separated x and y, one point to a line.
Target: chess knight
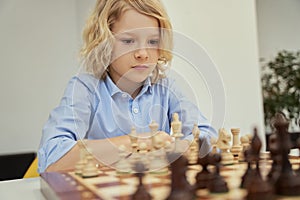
223	143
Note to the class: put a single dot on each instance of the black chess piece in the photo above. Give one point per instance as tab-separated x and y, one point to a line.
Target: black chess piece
203	177
275	157
141	192
258	188
180	187
249	171
217	183
287	183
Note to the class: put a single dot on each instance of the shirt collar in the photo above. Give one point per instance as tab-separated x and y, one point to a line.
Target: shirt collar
111	86
113	89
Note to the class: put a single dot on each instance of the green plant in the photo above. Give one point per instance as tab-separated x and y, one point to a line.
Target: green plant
281	86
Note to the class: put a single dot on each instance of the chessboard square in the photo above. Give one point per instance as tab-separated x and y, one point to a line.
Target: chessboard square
102	179
130	181
149	179
161	192
116	191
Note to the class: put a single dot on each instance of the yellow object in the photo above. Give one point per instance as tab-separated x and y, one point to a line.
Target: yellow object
32	170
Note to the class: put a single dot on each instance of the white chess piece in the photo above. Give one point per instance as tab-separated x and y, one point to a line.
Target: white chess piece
236	146
82	158
123	166
223	143
158	163
176	129
133	139
90	168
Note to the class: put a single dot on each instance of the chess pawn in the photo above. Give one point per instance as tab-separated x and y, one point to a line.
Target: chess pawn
158	164
153	131
223	143
123	166
82	158
245	145
133	139
90	169
143	151
236	147
194	146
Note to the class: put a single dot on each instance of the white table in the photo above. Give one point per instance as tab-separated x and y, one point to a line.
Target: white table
25	189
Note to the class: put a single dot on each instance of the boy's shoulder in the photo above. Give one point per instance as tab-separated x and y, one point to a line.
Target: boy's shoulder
86	79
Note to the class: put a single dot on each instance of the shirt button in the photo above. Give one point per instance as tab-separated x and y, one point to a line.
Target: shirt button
124	95
135	110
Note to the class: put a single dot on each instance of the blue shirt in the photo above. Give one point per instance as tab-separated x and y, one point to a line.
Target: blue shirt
96	109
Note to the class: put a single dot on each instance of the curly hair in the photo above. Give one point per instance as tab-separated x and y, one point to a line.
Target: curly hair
98	38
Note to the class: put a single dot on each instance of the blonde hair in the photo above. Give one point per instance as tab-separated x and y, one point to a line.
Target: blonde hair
98	38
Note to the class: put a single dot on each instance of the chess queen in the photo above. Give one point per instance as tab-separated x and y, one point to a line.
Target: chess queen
127	46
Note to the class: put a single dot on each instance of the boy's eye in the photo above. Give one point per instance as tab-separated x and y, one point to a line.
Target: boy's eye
154	42
127	41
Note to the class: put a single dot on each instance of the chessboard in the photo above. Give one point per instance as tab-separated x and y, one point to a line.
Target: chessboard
111	185
233	172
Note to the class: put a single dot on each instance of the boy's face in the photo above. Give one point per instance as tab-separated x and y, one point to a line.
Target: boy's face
135	51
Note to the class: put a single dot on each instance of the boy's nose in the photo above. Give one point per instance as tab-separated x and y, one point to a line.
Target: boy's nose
141	54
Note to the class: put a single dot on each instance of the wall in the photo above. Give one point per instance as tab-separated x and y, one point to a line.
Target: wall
38	54
278	26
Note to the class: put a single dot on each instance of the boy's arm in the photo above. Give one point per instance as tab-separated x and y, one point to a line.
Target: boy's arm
105	151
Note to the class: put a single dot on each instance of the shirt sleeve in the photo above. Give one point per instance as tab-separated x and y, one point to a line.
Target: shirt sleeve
190	114
67	123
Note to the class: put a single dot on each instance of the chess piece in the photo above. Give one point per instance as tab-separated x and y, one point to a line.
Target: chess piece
194	146
223	143
204	176
90	168
287	183
245	145
158	164
153	132
176	129
133	139
274	151
143	151
123	166
246	178
180	187
82	158
217	183
141	192
257	187
236	147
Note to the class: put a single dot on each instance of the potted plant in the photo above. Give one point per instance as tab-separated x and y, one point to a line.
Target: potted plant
281	88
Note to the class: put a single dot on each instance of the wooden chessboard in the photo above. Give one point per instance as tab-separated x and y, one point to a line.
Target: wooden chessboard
110	185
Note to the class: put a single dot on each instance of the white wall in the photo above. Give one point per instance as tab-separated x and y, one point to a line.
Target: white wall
40	40
278	26
38	54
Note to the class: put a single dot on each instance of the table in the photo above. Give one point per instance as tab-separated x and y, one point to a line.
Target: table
25	189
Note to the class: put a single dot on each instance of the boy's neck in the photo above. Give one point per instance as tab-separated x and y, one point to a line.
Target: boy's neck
132	88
